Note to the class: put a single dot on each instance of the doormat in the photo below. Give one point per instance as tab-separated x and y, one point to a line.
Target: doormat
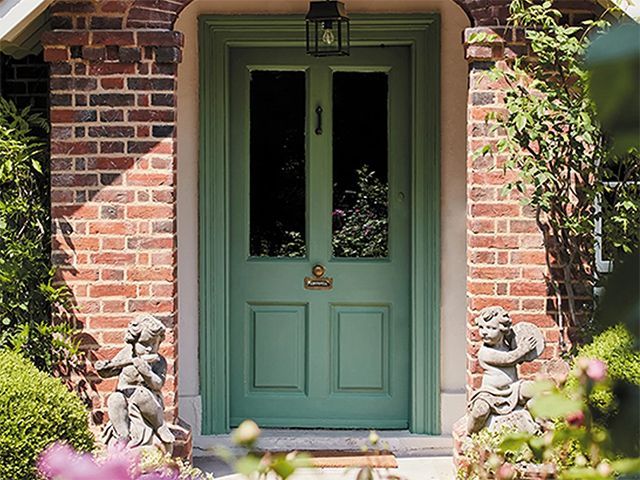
349	459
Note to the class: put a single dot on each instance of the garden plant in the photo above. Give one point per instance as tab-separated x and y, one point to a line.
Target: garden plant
565	166
35	411
28	294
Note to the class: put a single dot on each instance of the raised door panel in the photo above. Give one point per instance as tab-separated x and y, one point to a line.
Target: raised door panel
360	349
277	336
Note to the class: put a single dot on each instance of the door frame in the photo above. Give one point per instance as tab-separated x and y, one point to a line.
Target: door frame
217	33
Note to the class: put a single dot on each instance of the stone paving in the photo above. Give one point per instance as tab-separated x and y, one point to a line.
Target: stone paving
417	468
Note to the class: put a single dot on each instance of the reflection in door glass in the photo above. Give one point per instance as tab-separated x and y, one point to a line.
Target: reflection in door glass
277	151
360	171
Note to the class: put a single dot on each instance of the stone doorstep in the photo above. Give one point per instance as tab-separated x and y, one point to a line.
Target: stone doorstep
401	442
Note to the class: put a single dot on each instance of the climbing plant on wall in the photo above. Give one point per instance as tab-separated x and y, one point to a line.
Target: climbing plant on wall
585	195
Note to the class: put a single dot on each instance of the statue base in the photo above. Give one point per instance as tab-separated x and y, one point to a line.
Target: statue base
519	420
183	446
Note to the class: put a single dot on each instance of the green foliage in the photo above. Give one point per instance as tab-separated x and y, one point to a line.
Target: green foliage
564	162
574	433
360	225
479	453
27	292
615	347
35	411
614	63
579	441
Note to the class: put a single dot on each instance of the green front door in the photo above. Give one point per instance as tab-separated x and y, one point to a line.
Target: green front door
320	153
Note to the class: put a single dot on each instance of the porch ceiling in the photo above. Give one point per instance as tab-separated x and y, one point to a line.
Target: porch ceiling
21	24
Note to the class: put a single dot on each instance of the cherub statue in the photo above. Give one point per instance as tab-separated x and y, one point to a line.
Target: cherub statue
503	348
136	409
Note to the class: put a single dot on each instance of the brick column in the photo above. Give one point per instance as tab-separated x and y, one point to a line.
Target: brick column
505	253
113	174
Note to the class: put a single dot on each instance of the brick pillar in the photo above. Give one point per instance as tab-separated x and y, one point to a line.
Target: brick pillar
113	173
505	253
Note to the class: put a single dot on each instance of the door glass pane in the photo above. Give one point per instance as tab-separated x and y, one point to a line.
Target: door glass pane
277	152
360	165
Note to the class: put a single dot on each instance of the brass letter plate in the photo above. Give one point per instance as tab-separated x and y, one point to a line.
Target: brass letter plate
318	281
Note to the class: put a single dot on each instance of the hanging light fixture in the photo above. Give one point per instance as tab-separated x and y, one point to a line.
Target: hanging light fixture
328	29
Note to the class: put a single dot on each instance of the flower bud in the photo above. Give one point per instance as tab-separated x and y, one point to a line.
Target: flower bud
246	434
604	469
596	370
576	419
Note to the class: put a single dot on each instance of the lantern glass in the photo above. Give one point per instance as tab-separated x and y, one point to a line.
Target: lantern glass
328	31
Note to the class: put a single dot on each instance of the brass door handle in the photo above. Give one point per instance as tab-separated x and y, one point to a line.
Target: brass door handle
318	270
319	114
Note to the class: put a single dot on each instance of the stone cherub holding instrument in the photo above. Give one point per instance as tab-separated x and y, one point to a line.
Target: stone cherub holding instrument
136	409
502	395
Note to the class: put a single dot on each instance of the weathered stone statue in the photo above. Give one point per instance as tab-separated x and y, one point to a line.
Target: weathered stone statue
136	409
501	397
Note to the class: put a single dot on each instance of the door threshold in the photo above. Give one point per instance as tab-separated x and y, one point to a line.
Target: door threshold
401	443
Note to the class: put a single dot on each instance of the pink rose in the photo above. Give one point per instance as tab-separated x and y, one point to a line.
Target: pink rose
596	370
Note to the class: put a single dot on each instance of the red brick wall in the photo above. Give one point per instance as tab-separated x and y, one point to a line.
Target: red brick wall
113	170
506	263
505	253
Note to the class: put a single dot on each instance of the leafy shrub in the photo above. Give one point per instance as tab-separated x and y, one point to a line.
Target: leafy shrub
570	430
35	410
27	293
614	347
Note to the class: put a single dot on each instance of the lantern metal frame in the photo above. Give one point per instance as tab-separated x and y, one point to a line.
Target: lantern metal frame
326	14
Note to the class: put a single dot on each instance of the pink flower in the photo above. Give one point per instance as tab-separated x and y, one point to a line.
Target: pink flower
596	370
121	461
576	419
61	461
506	472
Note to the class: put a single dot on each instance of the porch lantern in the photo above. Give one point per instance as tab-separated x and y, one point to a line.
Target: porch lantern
328	29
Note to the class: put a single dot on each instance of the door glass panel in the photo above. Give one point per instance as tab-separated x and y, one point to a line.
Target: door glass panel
277	162
360	165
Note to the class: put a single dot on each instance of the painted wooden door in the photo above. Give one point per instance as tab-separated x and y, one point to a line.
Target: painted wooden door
319	175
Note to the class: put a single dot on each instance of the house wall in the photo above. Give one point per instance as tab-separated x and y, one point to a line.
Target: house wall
453	207
114	165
